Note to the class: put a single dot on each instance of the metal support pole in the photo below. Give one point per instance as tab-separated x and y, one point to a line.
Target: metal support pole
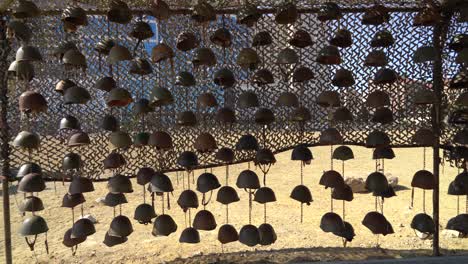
439	38
4	137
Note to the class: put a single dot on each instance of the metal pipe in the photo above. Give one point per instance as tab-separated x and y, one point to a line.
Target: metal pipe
4	137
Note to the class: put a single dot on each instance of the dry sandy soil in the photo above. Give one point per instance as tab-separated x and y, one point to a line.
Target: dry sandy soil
296	242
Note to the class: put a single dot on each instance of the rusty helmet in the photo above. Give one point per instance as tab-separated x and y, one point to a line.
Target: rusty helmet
207	182
187	159
27	168
248	180
302	194
343	153
119	12
104	46
424	137
161	96
144	175
267	234
190	235
19	30
28	53
423	223
302	74
343	78
300	114
221	37
225	78
262	38
382	39
377	138
80	185
376	58
287	13
330	136
302	152
186	118
458	223
83	227
68	241
343	192
31	182
382	115
63	85
287	56
185	78
119	184
227	234
329	55
249	235
376	15
264	116
342	114
225	155
248	99
164	225
119	53
188	199
329	11
27	140
331	179
187	41
385	76
162	52
161	140
248	58
264	195
74	58
26	9
204	220
263	77
142	107
378	99
205	142
203	12
331	222
248	14
120	226
227	195
22	70
71	161
105	84
120	139
206	100
247	142
76	95
428	16
300	39
160	182
264	156
204	57
140	66
423	179
110	123
377	224
424	96
141	31
33	225
144	213
72	200
114	160
118	97
342	39
114	199
32	102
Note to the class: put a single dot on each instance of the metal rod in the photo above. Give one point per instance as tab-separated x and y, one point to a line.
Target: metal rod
4	135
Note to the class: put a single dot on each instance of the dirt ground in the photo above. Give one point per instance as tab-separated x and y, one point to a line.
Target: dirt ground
296	242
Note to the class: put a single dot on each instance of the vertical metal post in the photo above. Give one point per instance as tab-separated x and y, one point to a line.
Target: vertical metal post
439	39
4	138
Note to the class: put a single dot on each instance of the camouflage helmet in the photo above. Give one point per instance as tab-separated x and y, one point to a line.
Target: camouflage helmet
204	220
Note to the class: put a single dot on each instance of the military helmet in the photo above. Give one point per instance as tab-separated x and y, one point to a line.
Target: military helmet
227	234
68	241
27	140
376	182
301	39
343	153
423	223
203	12
347	233
76	95
424	54
114	199
31	182
329	98
22	70
161	140
185	78
329	55
104	46
376	139
385	76
342	114
227	195
28	53
263	77
343	192
31	204
164	225
300	114
331	179
428	16
190	235
376	58
83	227
144	213
264	116
331	222
221	37
120	139
120	226
247	142
287	56
69	122
248	14
63	85
160	9
110	123
187	159
382	115
119	53
118	97
267	234
248	179
248	58
74	58
342	39
111	241
207	182
249	235
33	225
287	13
160	182
287	99
424	97
106	84
204	57
343	78
26	9
302	152
377	224
142	107
119	184
225	78
264	195
262	38
460	80
302	74
376	15
329	11
74	16
206	100
187	41
423	137
248	99
140	67
19	30
378	99
144	175
330	136
72	200
27	168
32	102
383	152
458	223
204	220
226	155
186	118
141	31
188	199
71	161
161	52
301	194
